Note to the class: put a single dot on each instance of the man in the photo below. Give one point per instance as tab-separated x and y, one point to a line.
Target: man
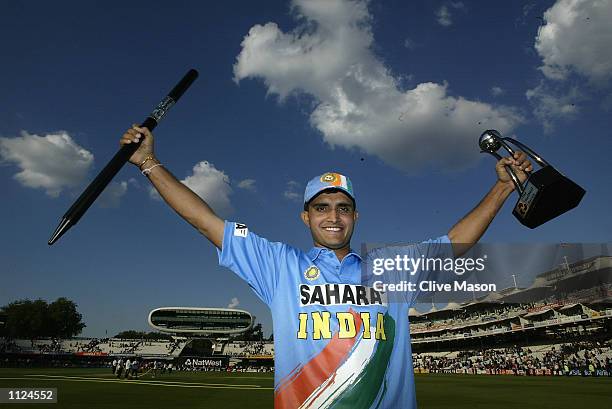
337	342
135	366
119	368
128	368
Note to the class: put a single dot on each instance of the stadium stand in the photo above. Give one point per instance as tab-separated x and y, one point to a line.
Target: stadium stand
245	349
95	346
561	325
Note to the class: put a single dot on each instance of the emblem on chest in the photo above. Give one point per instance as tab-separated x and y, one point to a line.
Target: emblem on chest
312	273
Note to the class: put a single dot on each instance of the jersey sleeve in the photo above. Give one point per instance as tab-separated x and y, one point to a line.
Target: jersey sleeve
439	248
253	258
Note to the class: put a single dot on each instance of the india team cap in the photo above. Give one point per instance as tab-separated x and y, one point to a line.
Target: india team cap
328	181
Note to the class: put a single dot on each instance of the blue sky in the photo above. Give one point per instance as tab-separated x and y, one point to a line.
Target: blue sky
393	94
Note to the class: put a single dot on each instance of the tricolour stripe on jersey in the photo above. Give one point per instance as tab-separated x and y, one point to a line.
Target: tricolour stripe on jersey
301	383
363	392
343	377
359	382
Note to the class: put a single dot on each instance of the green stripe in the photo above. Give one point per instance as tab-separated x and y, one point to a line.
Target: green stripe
363	392
380	401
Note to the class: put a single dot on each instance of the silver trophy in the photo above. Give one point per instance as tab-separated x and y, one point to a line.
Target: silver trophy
545	194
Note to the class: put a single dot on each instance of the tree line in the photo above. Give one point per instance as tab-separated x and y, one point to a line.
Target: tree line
27	319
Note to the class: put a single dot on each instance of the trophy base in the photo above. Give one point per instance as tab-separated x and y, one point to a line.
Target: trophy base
547	195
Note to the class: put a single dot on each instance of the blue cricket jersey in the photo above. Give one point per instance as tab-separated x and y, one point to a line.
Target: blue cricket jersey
338	343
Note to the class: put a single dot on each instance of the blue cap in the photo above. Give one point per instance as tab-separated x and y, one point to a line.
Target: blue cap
328	181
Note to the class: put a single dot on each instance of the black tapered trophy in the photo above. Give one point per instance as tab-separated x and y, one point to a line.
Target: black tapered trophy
89	195
546	193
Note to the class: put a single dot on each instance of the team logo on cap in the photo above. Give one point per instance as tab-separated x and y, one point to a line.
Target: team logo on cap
312	273
329	178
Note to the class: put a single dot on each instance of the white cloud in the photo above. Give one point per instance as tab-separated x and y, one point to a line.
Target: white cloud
358	102
497	91
550	104
527	8
577	37
211	184
134	183
247	184
111	196
444	17
53	162
234	303
292	191
410	43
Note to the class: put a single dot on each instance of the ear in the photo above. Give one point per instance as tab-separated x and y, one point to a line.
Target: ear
305	218
356	216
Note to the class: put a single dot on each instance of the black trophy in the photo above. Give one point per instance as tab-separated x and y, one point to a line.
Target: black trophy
546	193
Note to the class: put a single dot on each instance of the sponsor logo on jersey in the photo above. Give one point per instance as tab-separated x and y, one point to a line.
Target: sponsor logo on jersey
339	294
312	273
240	230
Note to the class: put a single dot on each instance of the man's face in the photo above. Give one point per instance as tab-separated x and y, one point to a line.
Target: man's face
331	218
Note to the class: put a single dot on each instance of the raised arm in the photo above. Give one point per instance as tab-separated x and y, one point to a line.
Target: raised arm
179	197
470	228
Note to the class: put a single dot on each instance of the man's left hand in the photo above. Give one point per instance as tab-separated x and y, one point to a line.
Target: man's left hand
519	162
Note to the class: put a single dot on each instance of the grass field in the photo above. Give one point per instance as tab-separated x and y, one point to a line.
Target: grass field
97	388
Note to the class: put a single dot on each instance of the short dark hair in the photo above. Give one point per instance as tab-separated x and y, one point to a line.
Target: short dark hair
330	190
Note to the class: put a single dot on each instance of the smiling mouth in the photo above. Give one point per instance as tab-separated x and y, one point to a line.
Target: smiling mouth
333	229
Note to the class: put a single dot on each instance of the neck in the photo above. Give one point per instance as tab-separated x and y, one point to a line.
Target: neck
343	252
340	253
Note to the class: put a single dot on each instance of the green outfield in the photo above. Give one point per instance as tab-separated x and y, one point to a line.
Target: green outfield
97	388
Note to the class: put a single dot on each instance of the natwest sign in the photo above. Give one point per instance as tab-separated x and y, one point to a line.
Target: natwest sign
206	362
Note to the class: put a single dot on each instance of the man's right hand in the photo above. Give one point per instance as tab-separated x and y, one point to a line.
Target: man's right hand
179	197
134	135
